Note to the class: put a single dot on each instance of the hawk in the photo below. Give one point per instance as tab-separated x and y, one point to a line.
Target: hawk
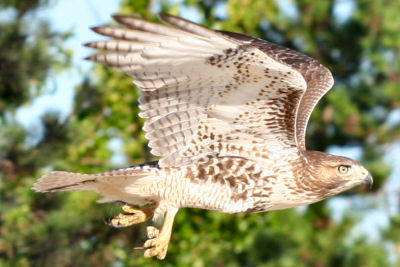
226	113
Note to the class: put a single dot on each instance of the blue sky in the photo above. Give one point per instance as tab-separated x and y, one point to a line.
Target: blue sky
79	15
65	15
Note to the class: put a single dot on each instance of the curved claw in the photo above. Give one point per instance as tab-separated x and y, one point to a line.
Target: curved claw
156	247
158	242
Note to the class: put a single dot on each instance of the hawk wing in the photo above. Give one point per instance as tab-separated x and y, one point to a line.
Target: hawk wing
205	92
318	78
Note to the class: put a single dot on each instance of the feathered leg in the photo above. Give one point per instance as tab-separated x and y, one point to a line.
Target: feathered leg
158	242
133	215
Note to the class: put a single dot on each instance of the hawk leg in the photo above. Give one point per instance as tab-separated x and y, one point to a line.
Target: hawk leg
132	215
157	244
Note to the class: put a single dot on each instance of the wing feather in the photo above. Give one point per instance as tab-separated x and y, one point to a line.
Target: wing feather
319	79
205	92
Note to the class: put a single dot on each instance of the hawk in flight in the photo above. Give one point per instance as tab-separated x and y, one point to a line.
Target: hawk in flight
226	113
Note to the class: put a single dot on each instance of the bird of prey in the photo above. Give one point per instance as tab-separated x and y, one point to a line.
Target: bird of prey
226	113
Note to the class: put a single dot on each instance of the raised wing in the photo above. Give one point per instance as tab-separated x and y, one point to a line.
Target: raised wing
319	79
208	93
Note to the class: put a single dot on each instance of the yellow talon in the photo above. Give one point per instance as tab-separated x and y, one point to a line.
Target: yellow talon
133	215
158	242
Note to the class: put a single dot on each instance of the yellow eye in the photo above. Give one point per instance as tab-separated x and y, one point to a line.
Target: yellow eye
343	169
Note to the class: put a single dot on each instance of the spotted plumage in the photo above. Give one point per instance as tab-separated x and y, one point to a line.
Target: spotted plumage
227	115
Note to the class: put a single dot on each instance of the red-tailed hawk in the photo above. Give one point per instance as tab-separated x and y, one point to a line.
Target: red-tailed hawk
227	114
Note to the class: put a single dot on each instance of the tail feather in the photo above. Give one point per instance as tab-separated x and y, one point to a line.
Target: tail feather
64	181
123	184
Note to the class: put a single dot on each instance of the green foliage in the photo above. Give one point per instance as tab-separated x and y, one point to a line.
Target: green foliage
29	52
69	229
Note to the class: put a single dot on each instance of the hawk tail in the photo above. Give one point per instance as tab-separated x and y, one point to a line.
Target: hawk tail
122	184
66	181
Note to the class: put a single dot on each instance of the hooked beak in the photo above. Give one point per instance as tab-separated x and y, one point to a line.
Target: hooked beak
368	178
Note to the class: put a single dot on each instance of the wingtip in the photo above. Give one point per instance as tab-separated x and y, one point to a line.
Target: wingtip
88	44
97	29
89	58
167	17
187	25
162	15
116	15
120	18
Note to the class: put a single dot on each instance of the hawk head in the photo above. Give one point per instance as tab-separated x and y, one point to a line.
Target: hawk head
331	174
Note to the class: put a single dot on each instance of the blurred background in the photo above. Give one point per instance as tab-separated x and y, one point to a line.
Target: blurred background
59	112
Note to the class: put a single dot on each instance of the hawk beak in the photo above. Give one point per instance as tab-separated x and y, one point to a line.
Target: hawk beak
367	178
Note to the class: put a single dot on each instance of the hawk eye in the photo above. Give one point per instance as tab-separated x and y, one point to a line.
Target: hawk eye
343	169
